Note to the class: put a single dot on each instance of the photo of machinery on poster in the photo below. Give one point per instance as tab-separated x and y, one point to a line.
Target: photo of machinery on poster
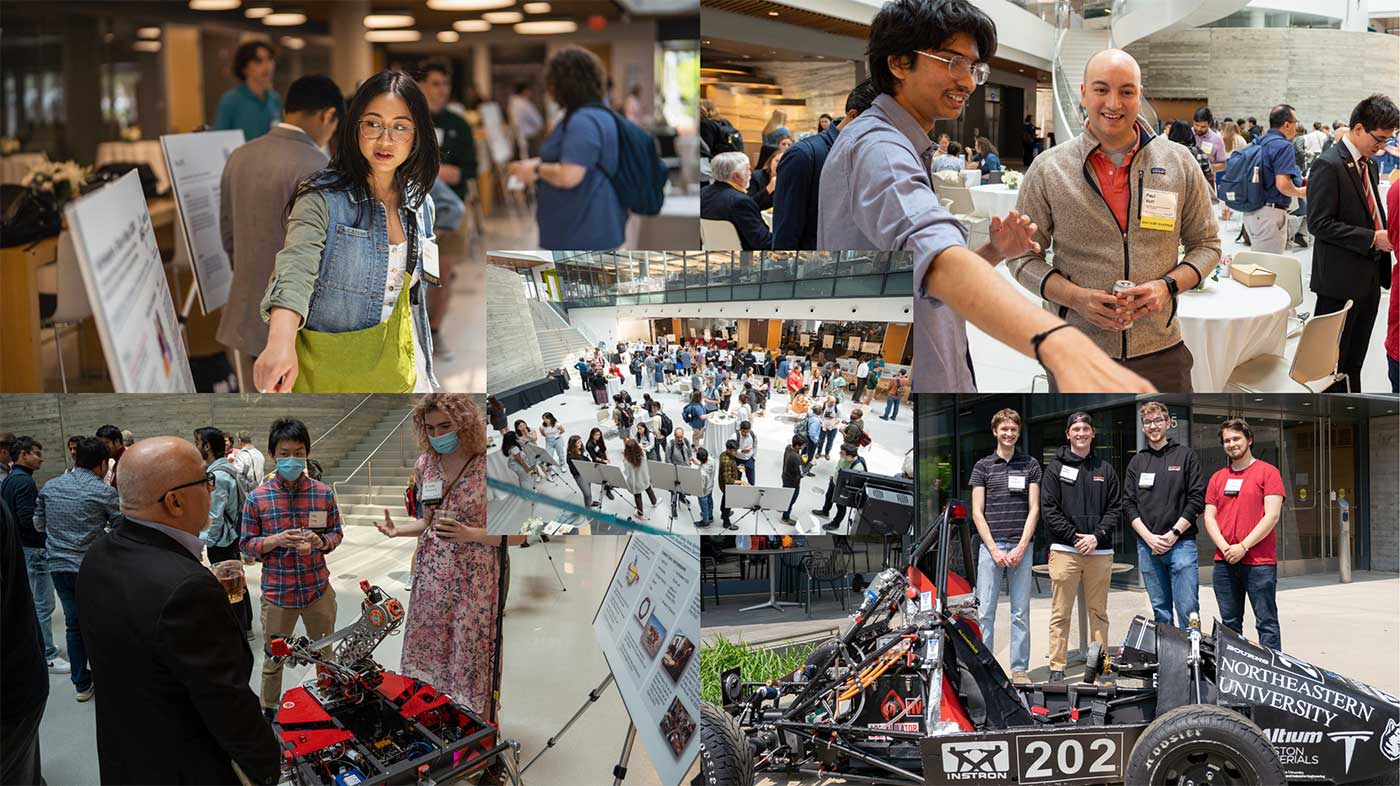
122	270
196	163
648	627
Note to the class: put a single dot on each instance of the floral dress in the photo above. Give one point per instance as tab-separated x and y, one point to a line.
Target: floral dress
452	635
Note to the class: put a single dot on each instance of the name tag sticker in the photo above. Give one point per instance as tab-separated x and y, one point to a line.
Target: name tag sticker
1233	486
1146	479
317	519
1069	474
1016	482
1207	148
1158	209
430	263
432	492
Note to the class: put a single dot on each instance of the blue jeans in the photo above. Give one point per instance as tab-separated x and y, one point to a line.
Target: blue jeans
828	439
891	407
36	562
707	508
989	589
66	584
1171	579
748	465
1259	582
1393	367
787	514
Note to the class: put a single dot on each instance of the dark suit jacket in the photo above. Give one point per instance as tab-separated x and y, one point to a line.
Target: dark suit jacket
795	196
1344	265
723	202
170	666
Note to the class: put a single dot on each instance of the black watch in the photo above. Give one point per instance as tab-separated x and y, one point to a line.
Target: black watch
1172	287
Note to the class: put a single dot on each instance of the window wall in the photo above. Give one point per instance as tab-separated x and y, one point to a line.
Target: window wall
623	278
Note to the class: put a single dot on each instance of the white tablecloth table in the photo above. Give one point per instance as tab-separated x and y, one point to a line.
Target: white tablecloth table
996	199
1229	323
147	151
719	429
14	168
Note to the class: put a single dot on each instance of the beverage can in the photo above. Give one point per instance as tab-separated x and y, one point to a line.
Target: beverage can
1120	286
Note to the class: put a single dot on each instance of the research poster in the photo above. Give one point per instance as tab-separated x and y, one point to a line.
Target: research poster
805	340
827	341
125	280
648	627
196	164
853	344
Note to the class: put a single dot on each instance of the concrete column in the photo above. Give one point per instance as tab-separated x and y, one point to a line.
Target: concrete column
1356	16
1257	17
352	57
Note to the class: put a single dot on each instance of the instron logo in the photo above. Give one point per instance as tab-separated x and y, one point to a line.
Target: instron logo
971	761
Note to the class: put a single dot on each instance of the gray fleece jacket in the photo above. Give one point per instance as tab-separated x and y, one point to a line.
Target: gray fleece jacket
1061	195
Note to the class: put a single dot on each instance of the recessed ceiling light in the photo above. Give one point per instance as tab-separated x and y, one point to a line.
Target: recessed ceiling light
1351	407
214	5
146	46
536	8
503	17
148	32
257	12
1258	399
379	21
449	36
471	25
286	19
546	27
772	13
392	36
469	5
293	42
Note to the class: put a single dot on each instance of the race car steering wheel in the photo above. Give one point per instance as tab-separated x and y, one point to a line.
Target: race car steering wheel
1095	663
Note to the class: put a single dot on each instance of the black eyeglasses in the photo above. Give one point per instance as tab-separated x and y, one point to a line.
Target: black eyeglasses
207	481
1155	422
1380	140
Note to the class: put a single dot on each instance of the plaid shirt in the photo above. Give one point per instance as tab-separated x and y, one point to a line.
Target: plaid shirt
289	579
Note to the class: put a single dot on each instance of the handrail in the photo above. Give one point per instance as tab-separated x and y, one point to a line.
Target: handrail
367	459
328	431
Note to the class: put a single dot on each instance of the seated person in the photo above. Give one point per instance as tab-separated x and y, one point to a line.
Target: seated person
726	199
951	161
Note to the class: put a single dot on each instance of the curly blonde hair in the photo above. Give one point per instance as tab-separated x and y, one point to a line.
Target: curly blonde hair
461	410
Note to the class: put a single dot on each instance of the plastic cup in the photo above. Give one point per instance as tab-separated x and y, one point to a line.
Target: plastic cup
230	576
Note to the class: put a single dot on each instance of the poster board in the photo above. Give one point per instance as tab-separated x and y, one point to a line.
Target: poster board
870	347
125	280
196	165
827	341
805	340
648	628
853	344
498	142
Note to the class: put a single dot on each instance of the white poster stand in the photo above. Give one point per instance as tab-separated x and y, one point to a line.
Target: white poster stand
805	340
196	164
125	281
827	340
853	344
648	627
497	141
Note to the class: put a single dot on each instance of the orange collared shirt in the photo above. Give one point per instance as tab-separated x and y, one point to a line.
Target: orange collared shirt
1113	181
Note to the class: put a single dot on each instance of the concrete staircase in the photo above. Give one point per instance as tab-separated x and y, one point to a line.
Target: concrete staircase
1078	46
380	483
560	344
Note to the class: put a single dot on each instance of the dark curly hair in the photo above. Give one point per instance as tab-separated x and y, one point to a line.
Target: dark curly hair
574	77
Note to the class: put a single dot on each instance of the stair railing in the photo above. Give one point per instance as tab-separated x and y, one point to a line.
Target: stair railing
369	460
328	431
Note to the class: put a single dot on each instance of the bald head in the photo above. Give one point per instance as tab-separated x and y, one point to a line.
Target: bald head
150	468
1114	66
1112	98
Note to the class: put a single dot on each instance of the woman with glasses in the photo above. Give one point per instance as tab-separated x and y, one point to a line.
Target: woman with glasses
346	306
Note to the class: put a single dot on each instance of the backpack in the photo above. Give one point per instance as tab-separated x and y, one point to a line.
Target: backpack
247	479
640	177
1239	186
234	505
728	140
667	428
693	414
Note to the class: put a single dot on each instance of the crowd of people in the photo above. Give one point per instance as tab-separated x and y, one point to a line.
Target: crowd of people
1163	495
710	376
132	537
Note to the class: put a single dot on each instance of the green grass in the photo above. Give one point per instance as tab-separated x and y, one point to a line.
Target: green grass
755	664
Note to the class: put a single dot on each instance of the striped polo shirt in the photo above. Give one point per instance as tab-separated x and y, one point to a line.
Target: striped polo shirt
1005	510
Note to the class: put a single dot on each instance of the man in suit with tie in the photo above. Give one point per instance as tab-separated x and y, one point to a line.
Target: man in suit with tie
170	664
1351	254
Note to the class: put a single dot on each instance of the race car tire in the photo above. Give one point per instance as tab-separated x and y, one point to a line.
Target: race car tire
725	758
1203	736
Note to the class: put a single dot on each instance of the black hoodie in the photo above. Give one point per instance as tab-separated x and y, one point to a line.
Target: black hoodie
1092	505
1178	488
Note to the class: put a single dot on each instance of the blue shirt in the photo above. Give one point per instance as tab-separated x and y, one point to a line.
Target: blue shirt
990	163
72	510
240	109
1386	161
589	216
795	195
1277	159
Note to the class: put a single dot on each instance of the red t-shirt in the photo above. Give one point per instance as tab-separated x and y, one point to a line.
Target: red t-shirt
1236	516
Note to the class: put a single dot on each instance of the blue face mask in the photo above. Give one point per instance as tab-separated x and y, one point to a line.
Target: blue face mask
290	468
444	444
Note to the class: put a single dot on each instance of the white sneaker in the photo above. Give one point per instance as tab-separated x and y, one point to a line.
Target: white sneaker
60	666
84	695
408	583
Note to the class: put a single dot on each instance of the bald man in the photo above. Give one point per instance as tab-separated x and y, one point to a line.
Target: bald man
1113	204
168	657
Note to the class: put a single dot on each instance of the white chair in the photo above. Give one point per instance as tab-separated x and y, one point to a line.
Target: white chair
963	209
719	236
70	292
1288	274
1314	366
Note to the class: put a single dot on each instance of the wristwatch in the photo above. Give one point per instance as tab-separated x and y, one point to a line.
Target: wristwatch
1172	287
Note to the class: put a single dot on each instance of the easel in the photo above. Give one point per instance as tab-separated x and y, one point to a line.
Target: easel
679	480
543	458
620	770
758	500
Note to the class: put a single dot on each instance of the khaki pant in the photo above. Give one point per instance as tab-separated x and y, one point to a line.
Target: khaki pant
1268	229
319	621
1067	570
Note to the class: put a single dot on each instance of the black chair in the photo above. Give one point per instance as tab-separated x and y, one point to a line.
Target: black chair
831	568
709	571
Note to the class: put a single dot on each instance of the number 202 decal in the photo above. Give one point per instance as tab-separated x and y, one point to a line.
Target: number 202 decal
1061	758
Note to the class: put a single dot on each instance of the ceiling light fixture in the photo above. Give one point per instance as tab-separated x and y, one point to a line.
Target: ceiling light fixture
449	36
293	43
381	21
146	46
469	5
214	5
257	12
471	25
285	19
503	17
392	36
536	8
772	13
148	32
546	27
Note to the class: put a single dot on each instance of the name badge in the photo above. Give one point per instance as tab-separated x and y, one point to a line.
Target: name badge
316	519
432	492
1233	486
441	135
1146	479
1069	474
1015	482
1158	209
1207	148
430	263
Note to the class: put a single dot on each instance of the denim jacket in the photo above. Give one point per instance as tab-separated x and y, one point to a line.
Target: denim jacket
332	268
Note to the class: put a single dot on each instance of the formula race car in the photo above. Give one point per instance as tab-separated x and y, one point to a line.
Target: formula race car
355	723
909	695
